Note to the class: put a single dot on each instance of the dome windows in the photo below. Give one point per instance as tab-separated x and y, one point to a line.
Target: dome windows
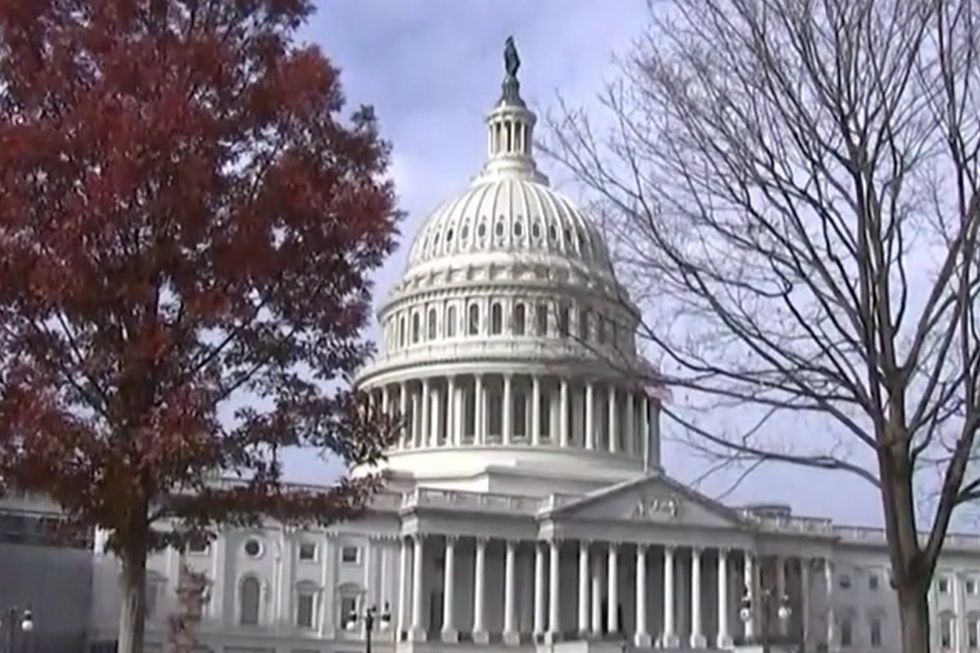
541	320
536	230
465	233
563	314
473	320
520	318
552	232
481	231
583	325
431	325
416	328
496	319
449	235
498	229
451	321
518	229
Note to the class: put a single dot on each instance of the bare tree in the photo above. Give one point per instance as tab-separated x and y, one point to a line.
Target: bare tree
793	190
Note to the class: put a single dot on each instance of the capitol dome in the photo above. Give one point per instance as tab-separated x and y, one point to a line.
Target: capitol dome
508	344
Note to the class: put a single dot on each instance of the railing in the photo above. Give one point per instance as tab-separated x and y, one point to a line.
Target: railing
457	499
790	524
863	534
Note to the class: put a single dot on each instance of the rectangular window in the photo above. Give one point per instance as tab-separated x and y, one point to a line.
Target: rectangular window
875	634
307	551
943	584
945	632
348	607
350	554
304	610
845	582
971	586
873	582
541	320
973	633
846	632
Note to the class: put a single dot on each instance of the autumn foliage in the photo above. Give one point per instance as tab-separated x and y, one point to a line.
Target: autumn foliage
187	228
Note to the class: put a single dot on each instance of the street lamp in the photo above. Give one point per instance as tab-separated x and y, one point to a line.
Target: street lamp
368	617
766	597
15	618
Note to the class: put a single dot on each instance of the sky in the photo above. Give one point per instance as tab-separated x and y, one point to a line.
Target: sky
432	69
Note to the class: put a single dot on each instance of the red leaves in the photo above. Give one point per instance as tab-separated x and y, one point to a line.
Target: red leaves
186	222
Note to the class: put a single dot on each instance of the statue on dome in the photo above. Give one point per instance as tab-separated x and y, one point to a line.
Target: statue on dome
511	61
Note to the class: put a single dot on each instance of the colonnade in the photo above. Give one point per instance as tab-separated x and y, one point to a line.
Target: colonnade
682	593
506	409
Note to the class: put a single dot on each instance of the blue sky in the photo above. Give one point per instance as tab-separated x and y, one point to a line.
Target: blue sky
432	68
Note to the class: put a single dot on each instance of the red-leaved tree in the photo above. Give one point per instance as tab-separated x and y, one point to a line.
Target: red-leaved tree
187	228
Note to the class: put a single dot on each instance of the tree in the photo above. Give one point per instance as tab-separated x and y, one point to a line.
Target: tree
187	229
793	191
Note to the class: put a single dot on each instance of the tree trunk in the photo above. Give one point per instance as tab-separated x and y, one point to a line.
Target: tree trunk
133	613
913	606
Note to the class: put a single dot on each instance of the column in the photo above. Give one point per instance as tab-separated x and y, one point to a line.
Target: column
479	422
538	591
697	634
417	632
554	599
449	633
828	576
368	598
783	624
645	431
630	423
589	415
597	572
480	635
415	420
805	601
613	435
403	589
451	412
435	418
506	417
536	410
563	414
385	400
669	639
724	630
425	426
748	583
612	582
641	637
328	575
511	636
402	412
583	588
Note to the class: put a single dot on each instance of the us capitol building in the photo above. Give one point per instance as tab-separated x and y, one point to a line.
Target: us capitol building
526	507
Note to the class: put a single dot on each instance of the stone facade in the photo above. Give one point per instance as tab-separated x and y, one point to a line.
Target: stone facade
526	505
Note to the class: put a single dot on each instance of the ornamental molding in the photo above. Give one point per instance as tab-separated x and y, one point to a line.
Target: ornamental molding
649	507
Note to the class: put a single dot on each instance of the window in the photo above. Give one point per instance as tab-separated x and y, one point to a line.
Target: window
973	633
473	323
583	324
541	320
451	322
563	321
846	631
519	318
416	328
197	545
432	324
600	329
305	607
946	631
401	331
496	319
943	585
307	551
970	586
873	582
249	601
845	582
348	607
350	554
253	548
874	636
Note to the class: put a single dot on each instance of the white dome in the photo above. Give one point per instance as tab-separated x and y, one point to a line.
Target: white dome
508	341
513	216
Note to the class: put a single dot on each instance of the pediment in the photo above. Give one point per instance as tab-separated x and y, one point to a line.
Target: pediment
653	499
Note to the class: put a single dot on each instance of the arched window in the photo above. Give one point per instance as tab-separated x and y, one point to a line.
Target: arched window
519	319
249	600
306	595
563	311
600	329
416	328
401	331
473	323
541	320
432	324
496	319
583	324
451	321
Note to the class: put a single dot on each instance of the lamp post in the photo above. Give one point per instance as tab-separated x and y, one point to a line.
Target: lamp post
367	617
766	597
16	620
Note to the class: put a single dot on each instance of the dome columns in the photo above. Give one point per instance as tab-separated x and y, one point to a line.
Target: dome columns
521	410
